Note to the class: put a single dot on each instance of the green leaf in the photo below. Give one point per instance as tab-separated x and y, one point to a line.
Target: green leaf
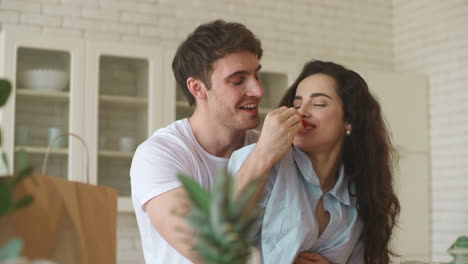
244	198
22	159
5	197
208	252
5	161
198	196
246	222
22	174
219	211
5	90
23	202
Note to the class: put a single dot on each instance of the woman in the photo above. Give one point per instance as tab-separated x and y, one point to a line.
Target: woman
332	193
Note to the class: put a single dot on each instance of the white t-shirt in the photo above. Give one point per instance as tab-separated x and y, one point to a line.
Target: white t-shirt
155	165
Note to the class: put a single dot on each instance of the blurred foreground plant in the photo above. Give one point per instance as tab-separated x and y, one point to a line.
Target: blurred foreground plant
220	220
8	182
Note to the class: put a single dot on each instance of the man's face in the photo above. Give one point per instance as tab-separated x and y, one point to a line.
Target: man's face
235	91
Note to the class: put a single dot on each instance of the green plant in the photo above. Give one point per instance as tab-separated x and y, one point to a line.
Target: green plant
7	184
221	221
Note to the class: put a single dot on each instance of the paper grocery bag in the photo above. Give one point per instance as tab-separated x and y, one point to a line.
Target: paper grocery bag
68	222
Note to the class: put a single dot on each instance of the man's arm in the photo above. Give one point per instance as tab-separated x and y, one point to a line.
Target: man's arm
165	212
156	187
278	132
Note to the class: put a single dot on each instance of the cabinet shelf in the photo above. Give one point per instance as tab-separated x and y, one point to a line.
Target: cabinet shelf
115	154
42	150
42	95
131	101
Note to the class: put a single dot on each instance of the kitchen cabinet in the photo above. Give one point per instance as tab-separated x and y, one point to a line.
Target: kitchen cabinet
29	113
113	100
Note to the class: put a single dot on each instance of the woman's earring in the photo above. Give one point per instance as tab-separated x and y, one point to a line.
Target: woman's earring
348	130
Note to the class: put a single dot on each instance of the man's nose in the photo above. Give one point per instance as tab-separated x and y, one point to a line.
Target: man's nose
256	89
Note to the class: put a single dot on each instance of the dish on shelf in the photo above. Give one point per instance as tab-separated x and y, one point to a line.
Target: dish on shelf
44	79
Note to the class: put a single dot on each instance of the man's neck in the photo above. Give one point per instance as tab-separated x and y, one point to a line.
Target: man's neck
214	138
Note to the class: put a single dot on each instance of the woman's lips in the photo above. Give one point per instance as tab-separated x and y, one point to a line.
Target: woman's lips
308	127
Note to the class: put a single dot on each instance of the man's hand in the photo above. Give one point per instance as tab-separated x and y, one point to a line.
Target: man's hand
310	258
278	132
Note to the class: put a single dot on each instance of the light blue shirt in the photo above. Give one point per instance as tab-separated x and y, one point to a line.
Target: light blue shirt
289	225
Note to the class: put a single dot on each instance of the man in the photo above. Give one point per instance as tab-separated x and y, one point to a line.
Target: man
217	68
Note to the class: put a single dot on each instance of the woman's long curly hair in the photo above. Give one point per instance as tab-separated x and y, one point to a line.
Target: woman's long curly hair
368	157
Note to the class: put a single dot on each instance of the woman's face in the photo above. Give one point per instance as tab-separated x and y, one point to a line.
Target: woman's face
322	112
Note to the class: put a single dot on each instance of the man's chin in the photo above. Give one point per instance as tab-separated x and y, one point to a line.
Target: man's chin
253	124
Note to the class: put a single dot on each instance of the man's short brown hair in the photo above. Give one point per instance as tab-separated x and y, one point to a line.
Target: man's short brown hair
209	42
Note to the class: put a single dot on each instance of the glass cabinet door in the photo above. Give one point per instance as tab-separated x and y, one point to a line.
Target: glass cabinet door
126	105
46	74
123	117
43	107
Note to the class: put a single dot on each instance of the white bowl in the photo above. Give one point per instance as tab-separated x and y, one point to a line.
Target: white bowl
44	79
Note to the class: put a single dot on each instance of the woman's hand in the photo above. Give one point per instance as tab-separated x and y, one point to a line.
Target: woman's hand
310	258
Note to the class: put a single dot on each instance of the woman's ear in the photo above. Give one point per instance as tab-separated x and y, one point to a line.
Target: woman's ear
196	87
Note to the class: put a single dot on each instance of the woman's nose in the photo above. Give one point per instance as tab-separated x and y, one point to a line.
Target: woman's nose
303	112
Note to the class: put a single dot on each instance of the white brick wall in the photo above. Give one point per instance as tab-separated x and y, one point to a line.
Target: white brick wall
431	37
353	32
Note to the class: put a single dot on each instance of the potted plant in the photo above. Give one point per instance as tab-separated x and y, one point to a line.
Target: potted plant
8	204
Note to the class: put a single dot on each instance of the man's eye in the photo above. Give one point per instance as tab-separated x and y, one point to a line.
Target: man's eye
239	82
319	104
297	106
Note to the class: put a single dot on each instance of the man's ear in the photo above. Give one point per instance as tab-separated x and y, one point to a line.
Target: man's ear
196	87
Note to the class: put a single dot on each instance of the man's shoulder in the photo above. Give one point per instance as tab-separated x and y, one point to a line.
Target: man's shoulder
176	131
175	136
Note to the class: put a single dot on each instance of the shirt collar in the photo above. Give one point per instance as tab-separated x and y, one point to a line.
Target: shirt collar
339	191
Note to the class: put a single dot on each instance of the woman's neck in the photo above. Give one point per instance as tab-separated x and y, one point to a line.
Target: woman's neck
326	166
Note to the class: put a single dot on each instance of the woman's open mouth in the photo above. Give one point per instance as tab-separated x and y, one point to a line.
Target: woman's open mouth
308	127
